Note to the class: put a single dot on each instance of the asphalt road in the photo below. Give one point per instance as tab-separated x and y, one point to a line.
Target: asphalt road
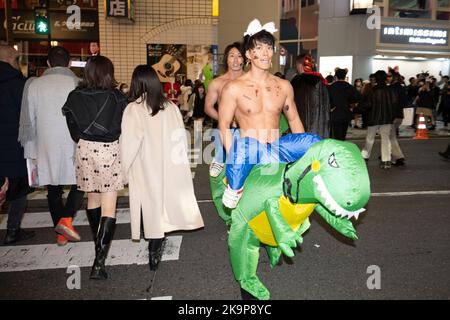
403	237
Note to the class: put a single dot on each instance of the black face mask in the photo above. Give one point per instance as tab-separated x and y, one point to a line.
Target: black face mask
287	184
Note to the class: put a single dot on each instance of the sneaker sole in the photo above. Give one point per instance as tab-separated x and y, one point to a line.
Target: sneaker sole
61	244
66	232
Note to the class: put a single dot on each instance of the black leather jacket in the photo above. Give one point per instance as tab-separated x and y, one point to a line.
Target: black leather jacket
380	105
94	114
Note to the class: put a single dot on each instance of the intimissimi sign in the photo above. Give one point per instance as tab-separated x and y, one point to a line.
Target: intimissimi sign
414	35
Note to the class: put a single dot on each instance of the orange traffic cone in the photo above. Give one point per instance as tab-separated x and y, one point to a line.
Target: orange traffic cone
421	131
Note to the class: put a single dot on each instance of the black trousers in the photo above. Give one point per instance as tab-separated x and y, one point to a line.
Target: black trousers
16	211
59	210
339	129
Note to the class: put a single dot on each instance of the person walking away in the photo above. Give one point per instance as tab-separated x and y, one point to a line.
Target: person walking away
93	113
13	170
395	84
380	104
342	97
153	150
50	146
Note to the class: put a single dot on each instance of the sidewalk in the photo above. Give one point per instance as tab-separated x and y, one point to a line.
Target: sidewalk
405	132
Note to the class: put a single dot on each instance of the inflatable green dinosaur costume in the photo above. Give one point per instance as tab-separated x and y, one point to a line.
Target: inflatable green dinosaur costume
331	178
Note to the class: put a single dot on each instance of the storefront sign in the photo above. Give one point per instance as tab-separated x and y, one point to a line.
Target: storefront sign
119	9
23	26
414	35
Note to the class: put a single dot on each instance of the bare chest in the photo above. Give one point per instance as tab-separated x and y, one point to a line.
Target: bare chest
261	99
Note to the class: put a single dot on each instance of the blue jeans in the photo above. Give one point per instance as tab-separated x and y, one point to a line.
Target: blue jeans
246	152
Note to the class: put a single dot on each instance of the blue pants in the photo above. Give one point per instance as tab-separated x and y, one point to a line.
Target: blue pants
246	152
219	154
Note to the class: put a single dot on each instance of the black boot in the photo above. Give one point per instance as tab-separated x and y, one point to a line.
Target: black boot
104	237
93	216
155	249
446	153
16	235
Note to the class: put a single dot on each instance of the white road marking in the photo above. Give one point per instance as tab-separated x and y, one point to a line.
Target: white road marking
410	193
44	220
51	256
162	298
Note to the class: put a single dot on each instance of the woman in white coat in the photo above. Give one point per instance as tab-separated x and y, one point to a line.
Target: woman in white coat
153	149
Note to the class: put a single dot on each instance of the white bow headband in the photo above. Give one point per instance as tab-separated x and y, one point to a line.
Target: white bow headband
255	27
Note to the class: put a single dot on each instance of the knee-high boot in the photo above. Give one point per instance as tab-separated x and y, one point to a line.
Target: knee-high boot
93	216
155	249
104	237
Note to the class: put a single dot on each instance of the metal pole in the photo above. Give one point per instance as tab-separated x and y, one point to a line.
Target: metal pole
8	18
49	36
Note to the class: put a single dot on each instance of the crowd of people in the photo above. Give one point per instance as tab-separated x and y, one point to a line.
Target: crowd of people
88	136
94	136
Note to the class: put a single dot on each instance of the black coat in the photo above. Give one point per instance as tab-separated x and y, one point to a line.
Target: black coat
12	162
342	96
402	98
380	105
313	105
94	114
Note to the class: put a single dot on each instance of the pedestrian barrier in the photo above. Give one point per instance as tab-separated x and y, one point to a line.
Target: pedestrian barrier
421	131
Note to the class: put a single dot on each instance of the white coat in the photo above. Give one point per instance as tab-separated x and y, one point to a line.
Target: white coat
51	144
155	163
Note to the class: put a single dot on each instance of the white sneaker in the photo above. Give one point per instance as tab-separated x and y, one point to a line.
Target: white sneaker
231	197
215	168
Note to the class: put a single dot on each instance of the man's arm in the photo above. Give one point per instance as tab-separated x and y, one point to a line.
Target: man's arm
290	111
211	98
227	109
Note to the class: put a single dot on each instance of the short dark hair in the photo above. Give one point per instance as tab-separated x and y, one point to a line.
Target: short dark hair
340	73
236	45
446	77
98	74
58	57
330	78
381	77
145	81
263	36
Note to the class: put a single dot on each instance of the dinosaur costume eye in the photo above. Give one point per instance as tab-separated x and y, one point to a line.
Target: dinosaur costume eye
332	161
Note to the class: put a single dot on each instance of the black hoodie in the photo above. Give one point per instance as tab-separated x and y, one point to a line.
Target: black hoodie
94	114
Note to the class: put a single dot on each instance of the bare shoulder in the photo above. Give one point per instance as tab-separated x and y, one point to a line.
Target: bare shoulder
285	84
233	87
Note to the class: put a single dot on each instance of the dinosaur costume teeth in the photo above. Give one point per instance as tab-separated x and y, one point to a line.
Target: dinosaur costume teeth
331	204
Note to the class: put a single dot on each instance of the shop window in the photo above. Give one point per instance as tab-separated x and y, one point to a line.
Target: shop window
443	15
419	9
443	4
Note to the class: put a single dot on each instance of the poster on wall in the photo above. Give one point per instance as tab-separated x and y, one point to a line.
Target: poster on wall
181	62
198	56
168	60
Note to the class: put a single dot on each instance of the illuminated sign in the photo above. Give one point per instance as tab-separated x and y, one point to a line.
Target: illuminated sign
360	6
120	9
414	35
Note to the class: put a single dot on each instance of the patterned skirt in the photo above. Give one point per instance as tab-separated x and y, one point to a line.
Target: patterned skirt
97	166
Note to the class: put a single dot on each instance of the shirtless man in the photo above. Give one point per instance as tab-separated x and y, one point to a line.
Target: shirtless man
234	66
256	101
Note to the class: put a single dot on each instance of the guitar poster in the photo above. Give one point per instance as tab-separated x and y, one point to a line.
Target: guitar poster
168	60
